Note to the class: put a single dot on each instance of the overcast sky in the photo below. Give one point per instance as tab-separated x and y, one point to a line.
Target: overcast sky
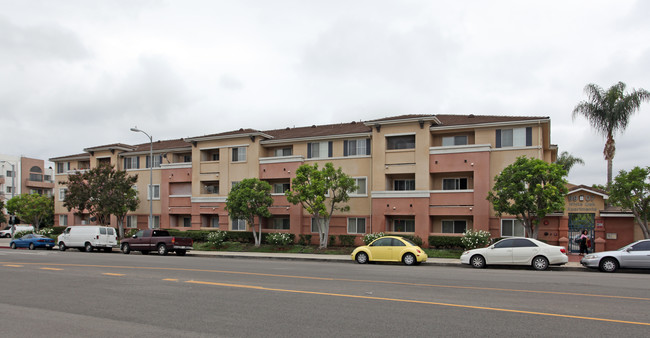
76	74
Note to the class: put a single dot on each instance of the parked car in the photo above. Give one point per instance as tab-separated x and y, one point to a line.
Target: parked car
32	241
87	238
390	249
633	256
6	232
516	251
146	241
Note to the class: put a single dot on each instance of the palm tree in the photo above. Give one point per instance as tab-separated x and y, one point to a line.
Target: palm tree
567	161
609	112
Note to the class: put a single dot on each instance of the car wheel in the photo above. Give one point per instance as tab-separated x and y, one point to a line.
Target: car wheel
62	246
7	235
126	249
477	261
362	258
89	247
608	265
13	245
162	249
540	263
409	259
31	246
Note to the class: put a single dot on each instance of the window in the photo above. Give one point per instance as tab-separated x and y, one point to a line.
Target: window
9	189
132	162
239	154
454	184
399	185
403	225
214	221
280	188
187	158
234	183
523	243
62	167
63	220
132	221
186	221
283	152
153	190
62	192
211	188
238	225
10	173
102	231
362	188
83	165
280	223
454	226
156	222
516	137
208	155
319	149
36	177
454	140
314	224
400	142
356	225
356	147
504	243
512	228
157	159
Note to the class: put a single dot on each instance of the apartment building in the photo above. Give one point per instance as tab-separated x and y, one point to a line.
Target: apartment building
420	175
24	175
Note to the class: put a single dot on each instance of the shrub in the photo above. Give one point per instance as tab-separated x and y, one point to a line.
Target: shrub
216	238
45	232
346	240
332	240
19	234
475	239
446	242
415	239
279	238
371	237
304	240
240	236
130	232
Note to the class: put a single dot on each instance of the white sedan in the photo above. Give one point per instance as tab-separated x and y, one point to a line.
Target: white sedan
516	251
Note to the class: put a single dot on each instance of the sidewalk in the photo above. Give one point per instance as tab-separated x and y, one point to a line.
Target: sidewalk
573	265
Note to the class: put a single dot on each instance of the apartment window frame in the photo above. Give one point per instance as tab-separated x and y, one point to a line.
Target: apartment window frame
155	220
238	224
400	142
283	152
515	228
354	226
322	149
362	188
238	154
284	225
456	140
156	192
314	225
186	221
514	137
214	221
131	222
131	162
62	192
407	224
62	167
63	220
403	184
157	161
280	188
457	226
455	183
356	147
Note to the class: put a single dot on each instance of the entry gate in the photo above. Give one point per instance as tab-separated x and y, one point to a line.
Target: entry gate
578	223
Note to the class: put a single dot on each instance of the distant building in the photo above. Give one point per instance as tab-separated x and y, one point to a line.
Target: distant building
418	175
24	175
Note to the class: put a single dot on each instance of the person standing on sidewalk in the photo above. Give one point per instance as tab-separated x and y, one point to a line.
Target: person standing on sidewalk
584	239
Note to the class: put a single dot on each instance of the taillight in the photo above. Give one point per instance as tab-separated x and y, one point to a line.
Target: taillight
563	250
41	240
418	250
173	240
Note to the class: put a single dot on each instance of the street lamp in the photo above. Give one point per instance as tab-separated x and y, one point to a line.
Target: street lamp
135	129
13	187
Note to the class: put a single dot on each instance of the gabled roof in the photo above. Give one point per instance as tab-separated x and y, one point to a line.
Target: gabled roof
114	146
82	156
577	188
456	120
229	134
162	145
319	131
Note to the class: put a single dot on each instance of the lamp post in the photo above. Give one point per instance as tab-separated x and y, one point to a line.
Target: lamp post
13	187
150	190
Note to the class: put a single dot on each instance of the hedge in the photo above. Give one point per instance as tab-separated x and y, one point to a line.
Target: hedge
446	242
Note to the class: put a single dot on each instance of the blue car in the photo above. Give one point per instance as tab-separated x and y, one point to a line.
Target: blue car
32	241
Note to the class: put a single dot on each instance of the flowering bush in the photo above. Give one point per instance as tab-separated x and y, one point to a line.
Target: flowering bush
217	238
46	232
475	239
19	234
279	238
371	237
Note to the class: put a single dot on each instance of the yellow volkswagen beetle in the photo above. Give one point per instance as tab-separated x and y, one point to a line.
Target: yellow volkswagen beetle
390	249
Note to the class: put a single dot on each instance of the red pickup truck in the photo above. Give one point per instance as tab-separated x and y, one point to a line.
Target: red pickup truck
156	240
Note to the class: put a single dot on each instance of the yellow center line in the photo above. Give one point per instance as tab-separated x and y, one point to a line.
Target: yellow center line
55	269
419	302
341	280
170	279
13	265
113	274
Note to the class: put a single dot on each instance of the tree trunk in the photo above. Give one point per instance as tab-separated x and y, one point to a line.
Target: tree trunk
120	226
610	150
258	239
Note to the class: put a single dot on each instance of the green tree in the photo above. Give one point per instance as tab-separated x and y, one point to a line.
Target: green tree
529	189
321	192
567	161
3	218
32	208
609	112
247	199
102	192
631	190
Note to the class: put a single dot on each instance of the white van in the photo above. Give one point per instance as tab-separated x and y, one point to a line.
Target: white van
88	237
6	232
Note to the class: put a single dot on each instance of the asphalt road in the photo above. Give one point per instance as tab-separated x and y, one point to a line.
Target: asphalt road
72	294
